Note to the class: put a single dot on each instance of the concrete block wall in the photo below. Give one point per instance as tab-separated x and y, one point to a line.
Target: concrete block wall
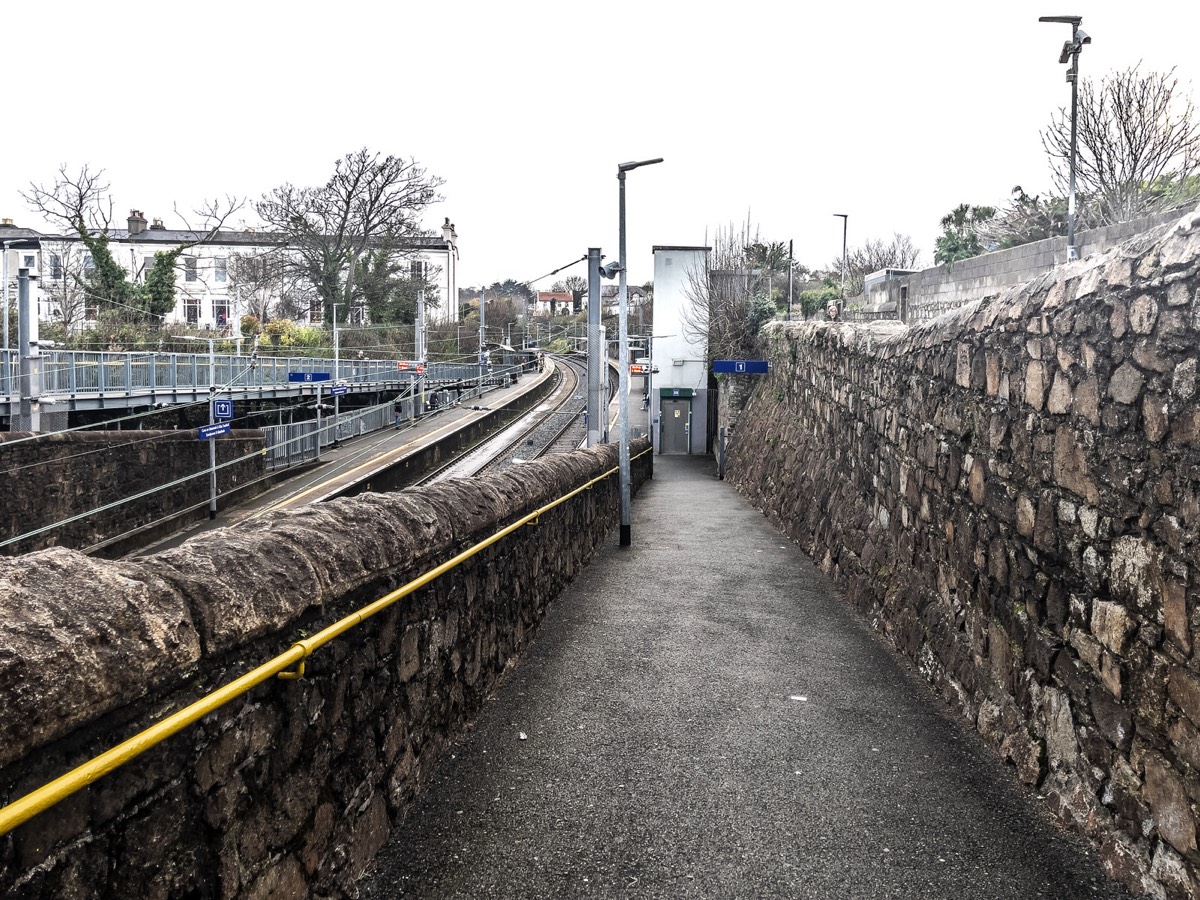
289	791
1011	494
934	291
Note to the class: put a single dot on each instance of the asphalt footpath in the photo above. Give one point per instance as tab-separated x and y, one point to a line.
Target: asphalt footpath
700	716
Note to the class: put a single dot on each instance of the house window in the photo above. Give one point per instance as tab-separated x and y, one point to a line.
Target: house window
220	269
191	310
56	267
417	270
221	312
29	261
189	269
89	265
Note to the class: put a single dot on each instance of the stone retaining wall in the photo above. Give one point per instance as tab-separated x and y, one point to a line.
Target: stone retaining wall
60	475
289	791
1012	494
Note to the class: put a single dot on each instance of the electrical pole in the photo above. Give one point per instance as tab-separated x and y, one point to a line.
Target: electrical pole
594	350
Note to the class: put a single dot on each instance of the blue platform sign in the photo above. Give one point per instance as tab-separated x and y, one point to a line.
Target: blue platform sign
222	409
741	366
309	376
338	390
204	432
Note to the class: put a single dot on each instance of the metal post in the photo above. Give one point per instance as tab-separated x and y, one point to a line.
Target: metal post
7	303
623	355
482	338
1073	77
31	363
623	375
212	441
845	217
419	341
595	396
337	375
318	421
790	280
1070	54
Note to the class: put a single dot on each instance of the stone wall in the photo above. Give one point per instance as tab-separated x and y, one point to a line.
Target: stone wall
1012	495
288	791
60	475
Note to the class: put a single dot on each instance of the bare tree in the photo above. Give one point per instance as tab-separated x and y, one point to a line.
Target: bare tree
1138	145
727	300
81	203
64	282
898	253
1028	218
371	202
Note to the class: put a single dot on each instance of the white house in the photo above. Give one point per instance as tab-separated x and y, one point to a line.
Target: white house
208	293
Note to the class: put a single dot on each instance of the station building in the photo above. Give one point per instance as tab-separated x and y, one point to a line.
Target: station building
678	393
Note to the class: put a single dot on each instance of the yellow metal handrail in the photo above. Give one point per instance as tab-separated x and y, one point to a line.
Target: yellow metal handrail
20	811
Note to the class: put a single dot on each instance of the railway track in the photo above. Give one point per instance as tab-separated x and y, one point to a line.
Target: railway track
555	426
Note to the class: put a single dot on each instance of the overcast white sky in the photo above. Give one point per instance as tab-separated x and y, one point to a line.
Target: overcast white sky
787	113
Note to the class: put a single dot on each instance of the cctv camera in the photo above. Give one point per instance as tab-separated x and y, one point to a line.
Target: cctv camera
610	270
1082	37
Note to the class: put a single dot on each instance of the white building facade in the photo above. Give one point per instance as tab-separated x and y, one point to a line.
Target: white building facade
208	293
679	393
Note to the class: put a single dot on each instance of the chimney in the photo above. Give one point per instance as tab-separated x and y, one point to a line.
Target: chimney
157	225
448	231
6	223
137	222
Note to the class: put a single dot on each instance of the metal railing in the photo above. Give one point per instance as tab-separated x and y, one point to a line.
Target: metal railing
72	372
288	665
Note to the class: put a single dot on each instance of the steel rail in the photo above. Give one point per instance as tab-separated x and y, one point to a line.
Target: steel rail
569	393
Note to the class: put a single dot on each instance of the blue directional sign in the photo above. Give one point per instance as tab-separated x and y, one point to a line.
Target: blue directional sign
211	431
741	366
309	376
338	390
222	409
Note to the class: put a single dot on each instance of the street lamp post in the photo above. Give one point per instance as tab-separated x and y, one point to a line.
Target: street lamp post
845	217
623	354
337	375
1070	54
482	339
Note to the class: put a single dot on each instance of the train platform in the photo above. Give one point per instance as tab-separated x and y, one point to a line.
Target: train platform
700	716
356	460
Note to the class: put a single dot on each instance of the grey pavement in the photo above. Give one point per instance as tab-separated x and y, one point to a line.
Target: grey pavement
704	718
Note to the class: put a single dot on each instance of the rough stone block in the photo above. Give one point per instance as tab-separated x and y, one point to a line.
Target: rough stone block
1184	689
1167	796
1111	624
1126	384
1112	718
1062	397
1071	466
1035	384
1143	313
